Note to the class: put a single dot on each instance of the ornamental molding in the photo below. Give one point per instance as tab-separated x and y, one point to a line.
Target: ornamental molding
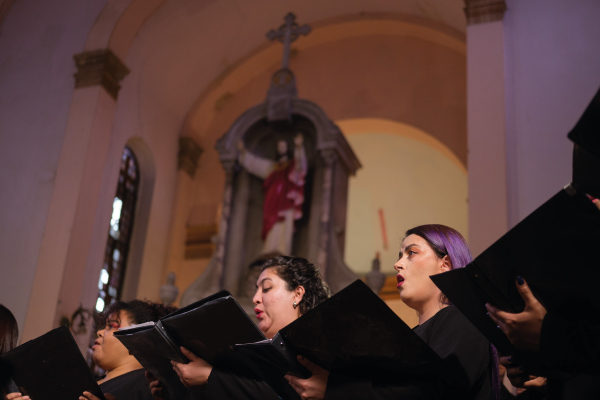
100	67
188	156
482	11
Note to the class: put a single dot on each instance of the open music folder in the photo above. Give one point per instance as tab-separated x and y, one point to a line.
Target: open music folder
555	249
48	367
353	333
207	328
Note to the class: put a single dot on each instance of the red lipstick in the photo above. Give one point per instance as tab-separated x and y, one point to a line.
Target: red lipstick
400	280
258	312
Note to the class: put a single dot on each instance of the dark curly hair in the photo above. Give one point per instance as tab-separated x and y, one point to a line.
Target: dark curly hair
139	311
297	271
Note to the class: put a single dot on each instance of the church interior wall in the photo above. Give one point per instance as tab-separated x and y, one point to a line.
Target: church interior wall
486	128
91	165
410	182
552	68
525	97
37	42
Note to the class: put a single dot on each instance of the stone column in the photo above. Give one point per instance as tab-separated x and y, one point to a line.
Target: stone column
66	242
219	256
187	163
480	11
330	159
234	266
486	123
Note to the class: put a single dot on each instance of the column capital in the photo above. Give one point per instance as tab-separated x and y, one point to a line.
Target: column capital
330	156
100	67
188	156
481	11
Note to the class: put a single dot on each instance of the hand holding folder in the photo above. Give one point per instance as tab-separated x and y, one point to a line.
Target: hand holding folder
554	249
206	328
522	329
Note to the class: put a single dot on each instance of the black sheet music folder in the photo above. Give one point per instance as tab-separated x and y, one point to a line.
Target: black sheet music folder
555	249
353	333
49	367
207	328
586	153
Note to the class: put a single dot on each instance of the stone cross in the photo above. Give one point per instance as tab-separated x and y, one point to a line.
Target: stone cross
286	34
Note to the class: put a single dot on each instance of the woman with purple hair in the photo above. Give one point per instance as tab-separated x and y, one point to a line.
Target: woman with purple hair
426	250
429	250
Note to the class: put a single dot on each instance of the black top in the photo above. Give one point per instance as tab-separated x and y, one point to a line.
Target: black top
572	347
456	341
569	346
224	385
450	334
342	387
130	386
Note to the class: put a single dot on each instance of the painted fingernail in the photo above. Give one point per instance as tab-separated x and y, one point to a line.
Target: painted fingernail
487	313
510	359
520	280
498	326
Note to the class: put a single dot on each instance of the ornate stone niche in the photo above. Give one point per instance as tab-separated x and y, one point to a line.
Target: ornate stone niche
320	234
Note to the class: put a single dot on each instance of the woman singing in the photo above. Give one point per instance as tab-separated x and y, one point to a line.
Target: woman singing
426	250
287	288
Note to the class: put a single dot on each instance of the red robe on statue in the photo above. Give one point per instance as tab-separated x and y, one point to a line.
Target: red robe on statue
284	190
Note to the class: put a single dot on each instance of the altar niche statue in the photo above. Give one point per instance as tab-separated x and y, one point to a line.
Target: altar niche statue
284	192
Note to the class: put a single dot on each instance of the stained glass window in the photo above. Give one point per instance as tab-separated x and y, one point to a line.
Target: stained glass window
111	277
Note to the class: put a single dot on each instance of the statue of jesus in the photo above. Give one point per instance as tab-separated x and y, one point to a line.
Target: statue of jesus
284	192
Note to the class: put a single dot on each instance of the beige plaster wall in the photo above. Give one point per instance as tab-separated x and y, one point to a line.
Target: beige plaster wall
399	78
486	134
412	182
36	93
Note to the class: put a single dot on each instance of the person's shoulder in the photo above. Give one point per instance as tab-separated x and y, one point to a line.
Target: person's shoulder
452	317
450	312
455	320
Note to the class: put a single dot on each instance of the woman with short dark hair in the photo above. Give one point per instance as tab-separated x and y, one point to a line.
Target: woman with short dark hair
125	377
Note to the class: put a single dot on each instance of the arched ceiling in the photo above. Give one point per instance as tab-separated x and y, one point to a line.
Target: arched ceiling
176	49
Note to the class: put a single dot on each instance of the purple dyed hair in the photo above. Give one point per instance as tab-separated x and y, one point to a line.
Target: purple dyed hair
445	241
